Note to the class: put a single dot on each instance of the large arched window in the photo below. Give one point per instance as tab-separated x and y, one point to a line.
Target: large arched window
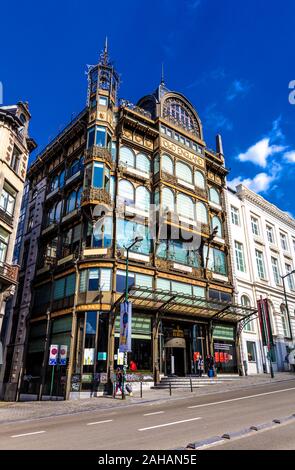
214	196
71	202
142	198
184	172
199	179
285	322
143	162
126	191
202	214
185	206
167	200
167	164
127	156
216	222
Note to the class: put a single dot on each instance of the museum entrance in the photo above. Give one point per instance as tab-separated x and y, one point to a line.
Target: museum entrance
182	343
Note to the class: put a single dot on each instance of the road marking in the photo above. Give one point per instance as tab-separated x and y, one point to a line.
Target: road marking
168	424
241	398
155	413
28	434
99	422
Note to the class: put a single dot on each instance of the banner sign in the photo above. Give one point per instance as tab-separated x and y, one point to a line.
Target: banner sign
53	354
63	355
264	321
125	327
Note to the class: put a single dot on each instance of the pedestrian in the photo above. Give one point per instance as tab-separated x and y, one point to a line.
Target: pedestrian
200	366
119	382
210	366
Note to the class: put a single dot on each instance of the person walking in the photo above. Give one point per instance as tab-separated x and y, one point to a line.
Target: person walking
210	366
200	366
119	382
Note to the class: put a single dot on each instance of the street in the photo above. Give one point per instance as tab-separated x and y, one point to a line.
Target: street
168	424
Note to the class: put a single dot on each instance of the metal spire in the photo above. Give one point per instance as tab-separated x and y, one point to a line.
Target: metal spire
162	75
104	56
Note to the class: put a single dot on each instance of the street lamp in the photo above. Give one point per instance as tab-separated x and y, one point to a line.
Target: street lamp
286	301
127	248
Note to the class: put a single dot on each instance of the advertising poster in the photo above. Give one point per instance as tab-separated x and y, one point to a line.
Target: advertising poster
88	356
125	327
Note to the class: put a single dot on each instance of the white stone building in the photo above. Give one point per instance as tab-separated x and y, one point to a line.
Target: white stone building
262	240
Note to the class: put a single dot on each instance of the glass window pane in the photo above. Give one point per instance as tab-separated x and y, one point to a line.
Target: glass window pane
90	137
167	164
143	163
126	156
184	172
126	191
199	180
98	175
100	136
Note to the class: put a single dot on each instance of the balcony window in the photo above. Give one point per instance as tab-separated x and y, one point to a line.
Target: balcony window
98	175
127	157
4	239
103	101
90	137
100	140
73	200
202	214
199	179
7	199
167	164
126	192
102	233
214	196
184	172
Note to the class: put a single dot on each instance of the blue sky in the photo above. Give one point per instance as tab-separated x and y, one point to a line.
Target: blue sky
233	59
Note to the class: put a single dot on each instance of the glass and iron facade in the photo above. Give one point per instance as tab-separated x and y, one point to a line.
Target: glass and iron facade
118	172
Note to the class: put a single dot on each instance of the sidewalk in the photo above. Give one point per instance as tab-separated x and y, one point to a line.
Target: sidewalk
11	412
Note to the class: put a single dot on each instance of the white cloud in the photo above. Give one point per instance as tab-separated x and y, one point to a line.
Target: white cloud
261	182
238	87
259	152
290	156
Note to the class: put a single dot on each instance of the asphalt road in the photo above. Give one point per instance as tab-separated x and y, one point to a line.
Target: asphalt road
162	425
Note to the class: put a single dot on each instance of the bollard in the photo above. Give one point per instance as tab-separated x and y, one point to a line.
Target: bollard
170	389
191	383
140	389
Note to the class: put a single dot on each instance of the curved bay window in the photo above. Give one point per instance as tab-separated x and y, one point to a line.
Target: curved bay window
179	251
101	235
127	231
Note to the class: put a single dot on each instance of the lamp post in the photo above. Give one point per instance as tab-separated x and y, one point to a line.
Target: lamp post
127	248
286	301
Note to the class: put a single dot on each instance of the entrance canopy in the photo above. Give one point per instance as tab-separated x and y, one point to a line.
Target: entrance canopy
161	301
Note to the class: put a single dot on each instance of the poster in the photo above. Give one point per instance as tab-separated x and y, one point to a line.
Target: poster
125	327
53	354
88	356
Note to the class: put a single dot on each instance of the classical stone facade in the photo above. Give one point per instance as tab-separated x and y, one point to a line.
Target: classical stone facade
15	147
262	239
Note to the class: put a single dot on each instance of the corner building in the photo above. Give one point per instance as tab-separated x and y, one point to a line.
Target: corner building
96	184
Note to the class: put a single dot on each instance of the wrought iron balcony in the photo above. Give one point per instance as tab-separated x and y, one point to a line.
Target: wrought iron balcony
8	274
127	104
95	196
8	219
98	152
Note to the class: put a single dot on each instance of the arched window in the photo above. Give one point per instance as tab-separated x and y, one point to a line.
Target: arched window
214	196
78	197
74	167
285	322
216	222
167	164
167	200
245	301
126	191
126	156
71	201
61	179
184	172
58	211
142	198
54	183
202	214
199	179
185	206
143	162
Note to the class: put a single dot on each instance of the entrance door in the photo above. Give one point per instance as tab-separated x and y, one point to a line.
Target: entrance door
175	361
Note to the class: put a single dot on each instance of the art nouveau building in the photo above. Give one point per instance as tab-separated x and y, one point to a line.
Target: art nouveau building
118	172
15	147
262	239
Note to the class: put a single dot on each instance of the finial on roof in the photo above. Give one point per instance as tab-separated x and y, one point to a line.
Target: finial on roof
162	75
104	56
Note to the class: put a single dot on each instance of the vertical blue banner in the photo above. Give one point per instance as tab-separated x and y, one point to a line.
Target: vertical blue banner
125	327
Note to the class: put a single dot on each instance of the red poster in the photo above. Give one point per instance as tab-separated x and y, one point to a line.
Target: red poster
216	355
196	356
221	355
225	357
